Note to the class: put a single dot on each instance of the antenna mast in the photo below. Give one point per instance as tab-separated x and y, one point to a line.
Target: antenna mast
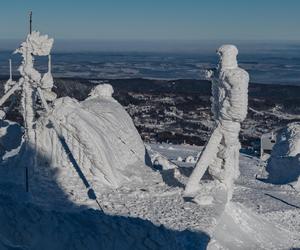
30	22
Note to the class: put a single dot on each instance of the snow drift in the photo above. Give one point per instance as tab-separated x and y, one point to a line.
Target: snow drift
100	135
284	165
247	231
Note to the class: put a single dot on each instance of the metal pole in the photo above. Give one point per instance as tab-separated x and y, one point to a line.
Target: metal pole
26	168
30	22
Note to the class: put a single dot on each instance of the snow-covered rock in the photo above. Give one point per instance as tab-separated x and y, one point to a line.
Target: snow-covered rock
100	135
179	158
103	90
162	162
190	159
284	165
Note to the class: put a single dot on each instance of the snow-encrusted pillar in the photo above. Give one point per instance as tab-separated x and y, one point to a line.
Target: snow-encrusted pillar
35	45
229	108
30	77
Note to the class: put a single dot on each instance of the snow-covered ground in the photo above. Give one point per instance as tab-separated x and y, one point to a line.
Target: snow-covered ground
148	215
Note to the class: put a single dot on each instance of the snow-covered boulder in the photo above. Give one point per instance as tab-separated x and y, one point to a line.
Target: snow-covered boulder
161	162
103	90
179	158
100	135
190	159
284	165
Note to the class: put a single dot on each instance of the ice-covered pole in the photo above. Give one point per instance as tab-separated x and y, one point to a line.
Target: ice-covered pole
9	83
49	63
35	45
229	108
10	92
30	22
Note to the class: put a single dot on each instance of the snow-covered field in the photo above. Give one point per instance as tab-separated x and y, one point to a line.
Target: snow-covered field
148	215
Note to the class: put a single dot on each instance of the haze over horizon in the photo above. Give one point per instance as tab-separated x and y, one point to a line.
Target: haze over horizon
162	46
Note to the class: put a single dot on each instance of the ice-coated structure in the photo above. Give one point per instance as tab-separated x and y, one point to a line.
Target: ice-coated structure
100	134
96	137
229	108
284	165
35	45
47	83
10	82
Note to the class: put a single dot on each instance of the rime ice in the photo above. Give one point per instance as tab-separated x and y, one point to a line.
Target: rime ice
284	165
100	134
229	107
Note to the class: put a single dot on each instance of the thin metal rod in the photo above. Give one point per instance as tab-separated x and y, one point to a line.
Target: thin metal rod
30	22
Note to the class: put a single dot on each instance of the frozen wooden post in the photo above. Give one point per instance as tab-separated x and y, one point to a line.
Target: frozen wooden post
229	107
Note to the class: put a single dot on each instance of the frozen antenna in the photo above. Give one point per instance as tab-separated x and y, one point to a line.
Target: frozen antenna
30	22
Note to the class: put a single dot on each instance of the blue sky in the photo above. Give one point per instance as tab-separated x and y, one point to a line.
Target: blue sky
154	19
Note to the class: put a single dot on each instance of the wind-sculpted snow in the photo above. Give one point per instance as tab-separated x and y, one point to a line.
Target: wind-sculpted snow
100	134
284	165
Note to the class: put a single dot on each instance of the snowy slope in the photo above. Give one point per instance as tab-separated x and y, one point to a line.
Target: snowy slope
27	226
148	215
260	216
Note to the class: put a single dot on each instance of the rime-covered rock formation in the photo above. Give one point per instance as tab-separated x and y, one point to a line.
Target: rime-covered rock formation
96	137
229	107
284	165
100	134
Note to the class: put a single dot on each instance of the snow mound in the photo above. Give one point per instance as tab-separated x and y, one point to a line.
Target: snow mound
284	164
161	162
247	229
99	134
190	159
103	90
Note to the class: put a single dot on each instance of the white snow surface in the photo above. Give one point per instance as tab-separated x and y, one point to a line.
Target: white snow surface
148	215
